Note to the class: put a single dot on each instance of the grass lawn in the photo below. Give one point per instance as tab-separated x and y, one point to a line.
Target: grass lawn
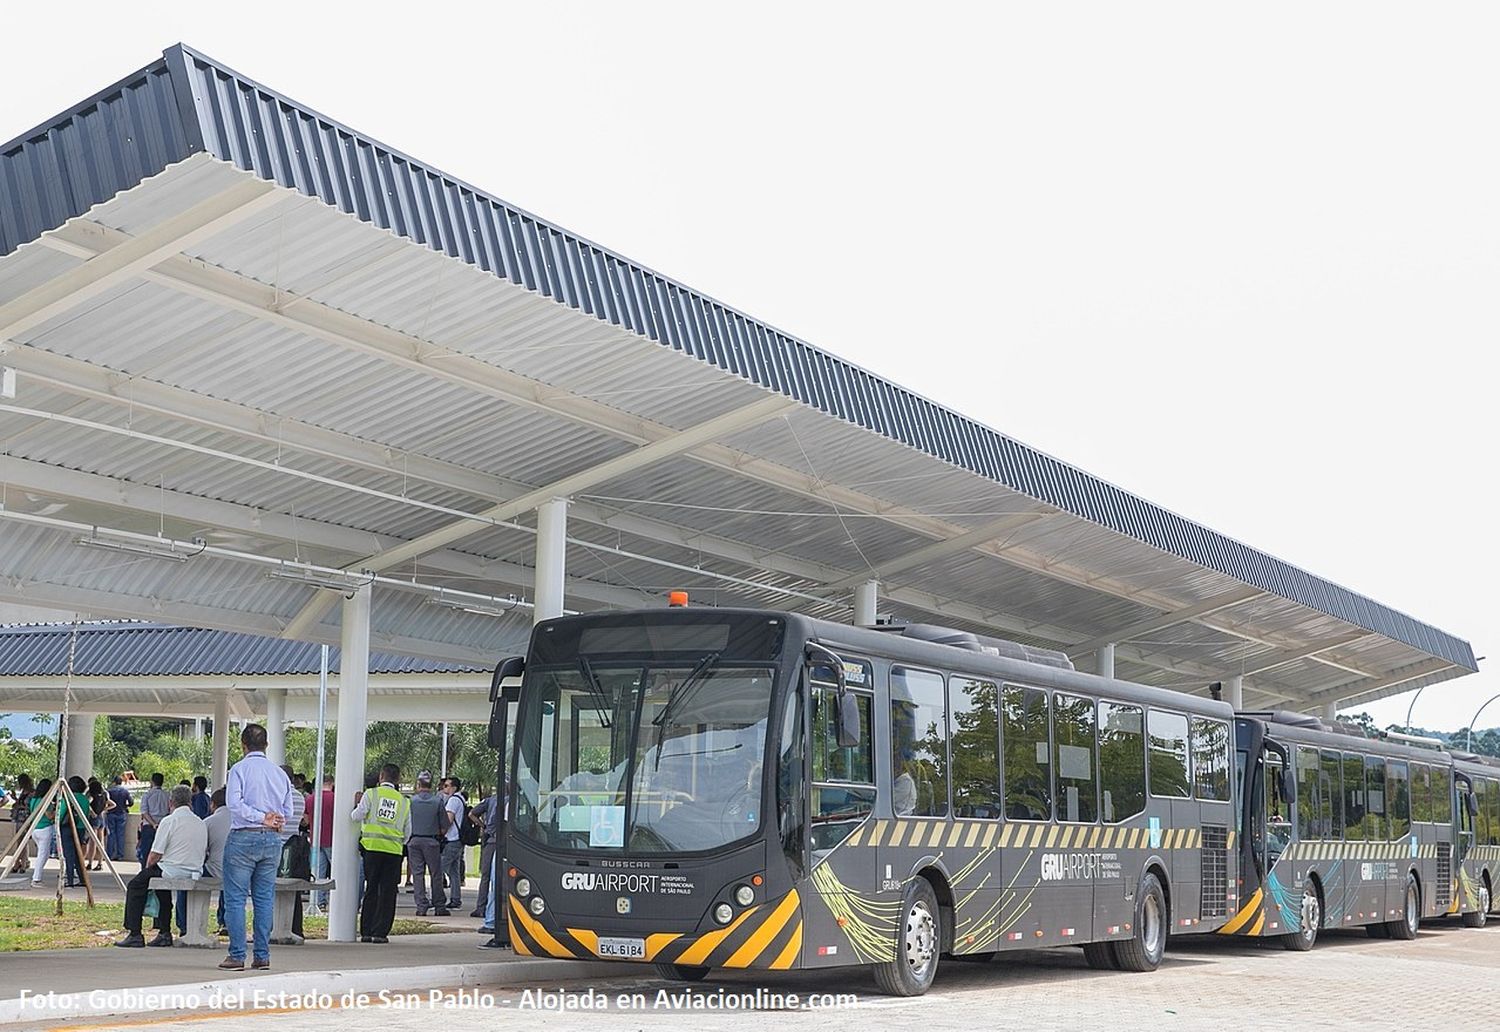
33	924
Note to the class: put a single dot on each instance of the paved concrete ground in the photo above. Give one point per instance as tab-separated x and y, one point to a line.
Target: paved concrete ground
1442	980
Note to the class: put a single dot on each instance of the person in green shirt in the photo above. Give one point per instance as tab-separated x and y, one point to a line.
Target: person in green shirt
70	842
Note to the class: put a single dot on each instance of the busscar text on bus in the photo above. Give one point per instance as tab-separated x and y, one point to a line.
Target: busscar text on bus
726	788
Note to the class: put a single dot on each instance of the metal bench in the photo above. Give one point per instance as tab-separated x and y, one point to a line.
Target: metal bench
200	892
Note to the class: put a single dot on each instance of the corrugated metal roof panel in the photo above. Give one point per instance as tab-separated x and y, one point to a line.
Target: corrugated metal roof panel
164	650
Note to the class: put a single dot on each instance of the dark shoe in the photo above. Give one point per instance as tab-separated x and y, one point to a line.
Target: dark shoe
441	912
486	930
133	941
230	964
422	912
162	939
380	939
365	938
478	912
222	931
493	944
260	965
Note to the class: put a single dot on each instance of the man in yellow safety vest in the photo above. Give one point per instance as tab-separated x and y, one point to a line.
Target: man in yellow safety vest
384	817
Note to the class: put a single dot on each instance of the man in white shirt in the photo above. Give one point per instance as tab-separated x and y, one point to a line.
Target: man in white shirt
453	849
177	851
218	834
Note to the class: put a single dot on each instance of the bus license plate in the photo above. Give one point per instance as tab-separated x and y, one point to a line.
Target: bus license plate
622	949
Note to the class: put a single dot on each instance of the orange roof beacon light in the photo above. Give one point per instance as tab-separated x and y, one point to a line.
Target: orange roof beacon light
677	599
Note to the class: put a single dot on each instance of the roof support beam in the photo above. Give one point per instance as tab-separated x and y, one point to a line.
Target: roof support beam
941	549
1151	624
114	266
1362	690
646	455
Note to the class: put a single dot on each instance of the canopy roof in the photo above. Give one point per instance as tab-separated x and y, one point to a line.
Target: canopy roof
239	321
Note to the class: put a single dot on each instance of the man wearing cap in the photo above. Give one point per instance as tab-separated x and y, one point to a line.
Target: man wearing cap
384	818
429	821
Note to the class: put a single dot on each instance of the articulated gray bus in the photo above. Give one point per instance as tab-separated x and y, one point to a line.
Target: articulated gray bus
717	788
1342	830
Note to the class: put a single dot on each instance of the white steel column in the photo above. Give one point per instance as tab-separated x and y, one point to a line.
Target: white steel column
551	558
80	745
1329	712
866	600
276	725
220	773
1234	692
1104	660
349	761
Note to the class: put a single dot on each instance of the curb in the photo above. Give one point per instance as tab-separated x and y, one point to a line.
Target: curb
105	1002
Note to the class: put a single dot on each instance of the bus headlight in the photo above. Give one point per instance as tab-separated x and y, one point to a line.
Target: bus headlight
744	895
538	904
723	913
523	887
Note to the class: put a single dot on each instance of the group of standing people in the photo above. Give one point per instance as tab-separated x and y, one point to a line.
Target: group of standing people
65	830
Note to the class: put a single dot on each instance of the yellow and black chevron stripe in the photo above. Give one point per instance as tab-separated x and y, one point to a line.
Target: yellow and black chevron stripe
767	935
1249	919
986	834
1308	850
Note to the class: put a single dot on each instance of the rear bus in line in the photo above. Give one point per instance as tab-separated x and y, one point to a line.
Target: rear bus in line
1342	830
1480	837
713	788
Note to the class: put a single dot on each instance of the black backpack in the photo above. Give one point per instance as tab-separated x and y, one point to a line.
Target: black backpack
296	859
468	832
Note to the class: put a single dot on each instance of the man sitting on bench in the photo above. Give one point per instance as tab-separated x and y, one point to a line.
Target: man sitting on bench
178	851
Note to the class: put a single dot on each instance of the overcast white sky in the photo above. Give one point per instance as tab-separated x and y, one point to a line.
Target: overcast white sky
1240	261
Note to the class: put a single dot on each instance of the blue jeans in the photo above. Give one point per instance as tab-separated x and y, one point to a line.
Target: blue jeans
489	907
250	860
70	854
144	839
114	843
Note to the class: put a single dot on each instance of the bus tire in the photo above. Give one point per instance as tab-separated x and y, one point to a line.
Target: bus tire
919	939
1405	927
1100	956
1311	915
1148	941
681	972
1479	918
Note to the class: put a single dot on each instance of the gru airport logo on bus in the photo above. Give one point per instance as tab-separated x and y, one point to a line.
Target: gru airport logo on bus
602	881
1080	866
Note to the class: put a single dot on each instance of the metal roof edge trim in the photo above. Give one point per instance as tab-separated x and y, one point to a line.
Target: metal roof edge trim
254	128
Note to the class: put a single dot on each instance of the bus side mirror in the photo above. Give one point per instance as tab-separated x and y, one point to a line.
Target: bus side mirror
1471	804
1288	787
849	732
502	695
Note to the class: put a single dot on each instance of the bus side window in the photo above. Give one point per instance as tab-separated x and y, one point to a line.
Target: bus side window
1332	784
1354	797
1073	759
1210	759
1122	761
1374	799
974	713
1168	769
1308	794
919	747
1398	801
1492	788
1421	794
1028	767
1442	795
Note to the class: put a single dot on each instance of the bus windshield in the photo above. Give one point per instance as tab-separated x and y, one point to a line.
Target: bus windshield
643	757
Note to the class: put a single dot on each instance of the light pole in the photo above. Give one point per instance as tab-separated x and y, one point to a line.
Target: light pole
1469	738
1409	708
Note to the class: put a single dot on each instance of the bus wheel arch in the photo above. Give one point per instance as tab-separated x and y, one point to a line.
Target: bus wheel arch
1158	867
1405	926
937	877
1147	944
1480	915
1312	904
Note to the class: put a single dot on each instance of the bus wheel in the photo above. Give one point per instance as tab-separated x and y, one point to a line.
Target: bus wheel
681	972
1411	912
1100	956
1478	918
1312	919
918	940
1143	950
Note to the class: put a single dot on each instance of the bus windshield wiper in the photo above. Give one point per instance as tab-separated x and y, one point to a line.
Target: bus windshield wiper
678	695
596	691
